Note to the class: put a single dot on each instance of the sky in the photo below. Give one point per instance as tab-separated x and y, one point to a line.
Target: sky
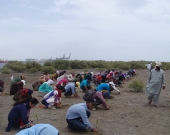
111	30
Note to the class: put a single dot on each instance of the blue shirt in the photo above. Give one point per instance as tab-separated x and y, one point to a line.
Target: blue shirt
103	86
39	129
18	112
77	111
84	83
70	86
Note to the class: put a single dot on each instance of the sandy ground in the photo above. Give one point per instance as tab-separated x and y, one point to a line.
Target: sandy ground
129	114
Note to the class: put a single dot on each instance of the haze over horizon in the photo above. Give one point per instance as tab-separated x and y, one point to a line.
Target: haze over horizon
111	30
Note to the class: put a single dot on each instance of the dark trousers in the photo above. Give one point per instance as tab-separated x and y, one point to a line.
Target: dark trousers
98	101
68	92
83	88
77	124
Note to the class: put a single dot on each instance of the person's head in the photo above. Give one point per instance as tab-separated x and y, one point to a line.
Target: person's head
33	102
42	79
78	84
22	77
50	82
45	73
57	72
90	103
59	88
158	65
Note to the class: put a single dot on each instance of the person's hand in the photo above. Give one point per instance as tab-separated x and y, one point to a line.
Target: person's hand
107	108
58	105
94	129
163	87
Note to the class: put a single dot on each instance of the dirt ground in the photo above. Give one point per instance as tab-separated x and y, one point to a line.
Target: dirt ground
129	113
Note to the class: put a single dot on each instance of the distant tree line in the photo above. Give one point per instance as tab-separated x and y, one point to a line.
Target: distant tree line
52	66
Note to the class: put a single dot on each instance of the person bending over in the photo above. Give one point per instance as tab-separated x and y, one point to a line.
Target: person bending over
85	85
39	129
19	115
77	116
70	89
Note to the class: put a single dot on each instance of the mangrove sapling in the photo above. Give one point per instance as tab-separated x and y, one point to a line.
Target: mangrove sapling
37	118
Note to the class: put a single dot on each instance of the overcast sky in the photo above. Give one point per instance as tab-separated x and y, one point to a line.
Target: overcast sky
112	30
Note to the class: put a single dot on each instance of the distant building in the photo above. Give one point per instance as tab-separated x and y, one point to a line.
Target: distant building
3	63
30	60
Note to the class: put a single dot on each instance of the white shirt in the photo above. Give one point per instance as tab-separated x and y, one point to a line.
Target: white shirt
149	66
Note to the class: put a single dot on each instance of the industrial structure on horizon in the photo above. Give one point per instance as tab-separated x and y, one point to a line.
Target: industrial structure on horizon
44	60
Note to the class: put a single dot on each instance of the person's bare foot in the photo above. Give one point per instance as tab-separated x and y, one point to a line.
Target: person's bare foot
149	102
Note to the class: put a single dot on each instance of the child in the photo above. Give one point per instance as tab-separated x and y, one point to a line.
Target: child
52	99
19	115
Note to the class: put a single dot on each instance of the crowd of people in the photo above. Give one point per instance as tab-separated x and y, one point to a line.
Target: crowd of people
96	87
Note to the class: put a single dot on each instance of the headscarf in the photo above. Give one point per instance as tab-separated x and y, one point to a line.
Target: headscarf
50	82
39	129
15	80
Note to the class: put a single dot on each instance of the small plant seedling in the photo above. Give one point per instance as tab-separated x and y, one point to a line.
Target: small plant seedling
37	117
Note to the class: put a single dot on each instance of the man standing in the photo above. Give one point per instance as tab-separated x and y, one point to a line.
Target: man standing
156	81
149	67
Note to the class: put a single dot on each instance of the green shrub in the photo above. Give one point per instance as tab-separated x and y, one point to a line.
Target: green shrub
86	70
33	70
30	65
16	66
100	69
19	68
6	71
136	85
48	69
125	67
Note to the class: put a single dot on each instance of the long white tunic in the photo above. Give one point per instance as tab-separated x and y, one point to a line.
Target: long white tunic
156	80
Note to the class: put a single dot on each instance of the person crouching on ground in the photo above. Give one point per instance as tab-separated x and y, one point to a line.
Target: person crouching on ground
62	83
70	89
106	88
53	99
39	129
77	116
46	87
85	84
100	100
19	115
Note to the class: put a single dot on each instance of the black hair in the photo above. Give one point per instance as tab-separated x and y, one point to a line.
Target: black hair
29	99
33	100
45	73
92	100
